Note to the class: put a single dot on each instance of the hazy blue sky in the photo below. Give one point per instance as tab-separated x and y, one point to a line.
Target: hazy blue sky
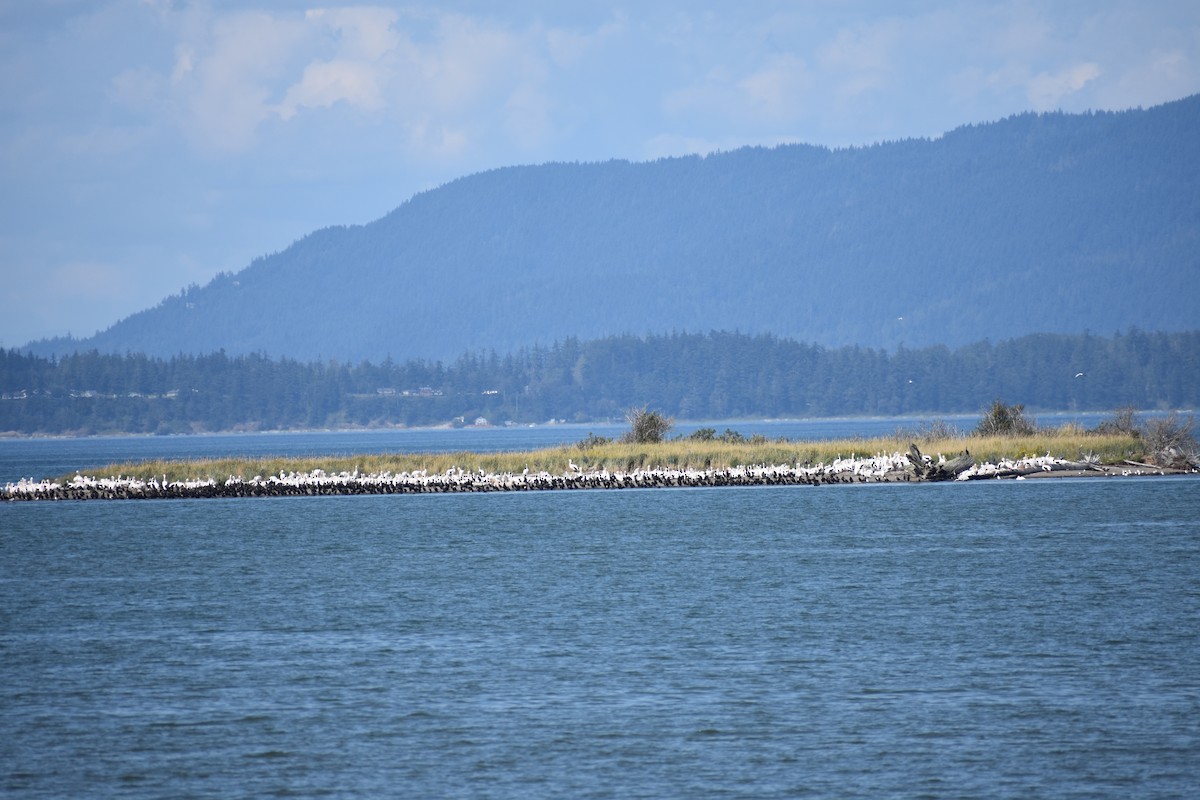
147	144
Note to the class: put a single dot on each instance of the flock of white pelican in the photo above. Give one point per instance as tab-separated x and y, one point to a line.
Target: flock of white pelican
879	468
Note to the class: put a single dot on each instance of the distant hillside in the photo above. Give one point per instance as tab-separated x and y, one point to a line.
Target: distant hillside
690	376
1037	223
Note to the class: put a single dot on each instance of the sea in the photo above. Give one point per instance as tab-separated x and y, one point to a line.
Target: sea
991	639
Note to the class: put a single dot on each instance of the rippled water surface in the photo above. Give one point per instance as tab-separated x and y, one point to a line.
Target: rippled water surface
1007	639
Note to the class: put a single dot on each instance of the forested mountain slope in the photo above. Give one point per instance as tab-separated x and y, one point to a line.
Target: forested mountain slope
1036	223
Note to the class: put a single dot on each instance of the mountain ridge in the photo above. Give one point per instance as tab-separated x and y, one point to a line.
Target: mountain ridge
1035	223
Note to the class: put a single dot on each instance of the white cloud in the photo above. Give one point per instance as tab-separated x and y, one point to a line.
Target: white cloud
568	46
1015	29
1047	90
363	32
860	59
1151	61
362	39
1162	76
467	62
325	83
438	76
223	83
776	90
185	56
447	79
714	90
426	138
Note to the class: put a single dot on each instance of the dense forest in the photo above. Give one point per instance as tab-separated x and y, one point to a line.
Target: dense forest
686	375
1036	223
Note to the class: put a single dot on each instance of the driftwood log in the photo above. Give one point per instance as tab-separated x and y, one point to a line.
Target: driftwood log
927	469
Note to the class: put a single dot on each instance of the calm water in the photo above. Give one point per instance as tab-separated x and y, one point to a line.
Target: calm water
1000	639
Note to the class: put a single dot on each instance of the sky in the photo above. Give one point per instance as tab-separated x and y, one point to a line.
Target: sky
148	145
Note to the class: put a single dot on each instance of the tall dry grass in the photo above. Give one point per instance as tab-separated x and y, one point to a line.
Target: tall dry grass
1067	442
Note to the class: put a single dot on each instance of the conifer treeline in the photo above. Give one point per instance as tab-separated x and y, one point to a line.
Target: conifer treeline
685	375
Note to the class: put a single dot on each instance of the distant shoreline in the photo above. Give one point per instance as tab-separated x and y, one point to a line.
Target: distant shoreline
1053	415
